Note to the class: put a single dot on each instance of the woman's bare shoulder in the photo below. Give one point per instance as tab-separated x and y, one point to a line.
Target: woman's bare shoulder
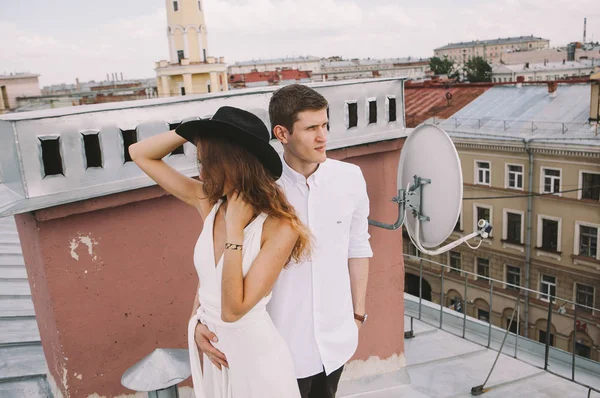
277	227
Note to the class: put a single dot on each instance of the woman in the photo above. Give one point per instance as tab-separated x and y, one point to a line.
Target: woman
250	233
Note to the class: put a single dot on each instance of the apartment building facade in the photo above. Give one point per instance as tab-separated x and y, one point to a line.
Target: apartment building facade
536	179
490	50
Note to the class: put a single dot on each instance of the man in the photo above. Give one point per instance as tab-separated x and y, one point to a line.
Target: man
318	306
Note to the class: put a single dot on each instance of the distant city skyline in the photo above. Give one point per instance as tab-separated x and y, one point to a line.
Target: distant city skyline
68	39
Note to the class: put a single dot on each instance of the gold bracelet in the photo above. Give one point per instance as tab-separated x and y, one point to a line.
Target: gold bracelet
233	246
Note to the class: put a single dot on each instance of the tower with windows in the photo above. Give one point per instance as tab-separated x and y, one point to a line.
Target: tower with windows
190	69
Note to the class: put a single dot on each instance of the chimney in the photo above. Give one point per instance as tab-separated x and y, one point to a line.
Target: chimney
520	80
121	76
552	87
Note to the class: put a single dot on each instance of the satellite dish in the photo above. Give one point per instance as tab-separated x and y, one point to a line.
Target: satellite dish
429	153
430	191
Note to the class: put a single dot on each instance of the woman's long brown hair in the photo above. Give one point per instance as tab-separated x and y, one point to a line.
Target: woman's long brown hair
223	161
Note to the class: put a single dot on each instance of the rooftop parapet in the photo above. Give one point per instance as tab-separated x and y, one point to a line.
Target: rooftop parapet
58	156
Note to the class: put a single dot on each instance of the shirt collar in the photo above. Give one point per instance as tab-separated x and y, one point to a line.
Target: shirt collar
297	178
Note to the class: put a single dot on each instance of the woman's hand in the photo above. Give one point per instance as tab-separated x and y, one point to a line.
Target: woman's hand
238	215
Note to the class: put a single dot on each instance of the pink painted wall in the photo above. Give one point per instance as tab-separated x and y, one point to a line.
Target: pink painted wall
112	278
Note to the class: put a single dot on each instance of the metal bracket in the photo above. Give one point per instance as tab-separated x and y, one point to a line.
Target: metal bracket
411	199
414	197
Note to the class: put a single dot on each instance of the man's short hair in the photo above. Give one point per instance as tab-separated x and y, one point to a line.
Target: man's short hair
287	102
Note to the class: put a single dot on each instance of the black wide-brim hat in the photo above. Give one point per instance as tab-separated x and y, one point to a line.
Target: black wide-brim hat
240	127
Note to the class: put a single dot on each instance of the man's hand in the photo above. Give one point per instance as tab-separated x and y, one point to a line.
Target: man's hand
203	338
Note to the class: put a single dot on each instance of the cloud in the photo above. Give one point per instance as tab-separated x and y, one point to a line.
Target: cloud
252	29
129	45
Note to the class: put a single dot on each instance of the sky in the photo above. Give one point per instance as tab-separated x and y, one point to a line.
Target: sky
67	39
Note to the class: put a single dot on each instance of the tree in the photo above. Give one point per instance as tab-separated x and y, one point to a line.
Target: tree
440	66
478	70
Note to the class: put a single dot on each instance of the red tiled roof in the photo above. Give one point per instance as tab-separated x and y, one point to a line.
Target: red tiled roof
423	102
272	76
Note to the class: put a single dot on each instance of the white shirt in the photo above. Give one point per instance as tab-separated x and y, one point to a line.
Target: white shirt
312	304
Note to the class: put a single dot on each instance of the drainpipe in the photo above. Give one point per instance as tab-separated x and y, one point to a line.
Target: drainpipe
528	233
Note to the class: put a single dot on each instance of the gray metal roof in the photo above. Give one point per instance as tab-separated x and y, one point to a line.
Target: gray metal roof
528	113
492	42
22	362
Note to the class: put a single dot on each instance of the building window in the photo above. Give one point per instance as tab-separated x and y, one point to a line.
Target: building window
588	241
590	186
457	227
483	315
482	213
200	5
513	276
182	90
514	176
412	249
513	222
542	337
551	180
455	261
456	304
582	350
180	55
584	295
548	288
483	173
549	234
483	267
175	6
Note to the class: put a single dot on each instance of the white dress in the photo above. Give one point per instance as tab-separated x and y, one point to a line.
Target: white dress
260	363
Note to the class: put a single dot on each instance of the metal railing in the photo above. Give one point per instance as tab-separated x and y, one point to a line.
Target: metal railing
530	126
520	291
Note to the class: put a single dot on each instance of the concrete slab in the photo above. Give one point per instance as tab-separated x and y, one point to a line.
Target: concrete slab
11	260
17	272
18	330
15	307
22	361
15	288
36	387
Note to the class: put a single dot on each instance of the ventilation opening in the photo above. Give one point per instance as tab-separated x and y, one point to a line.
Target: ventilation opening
352	115
391	109
129	138
51	156
93	153
372	112
179	150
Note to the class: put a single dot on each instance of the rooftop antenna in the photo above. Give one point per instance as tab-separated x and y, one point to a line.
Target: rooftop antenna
430	192
584	29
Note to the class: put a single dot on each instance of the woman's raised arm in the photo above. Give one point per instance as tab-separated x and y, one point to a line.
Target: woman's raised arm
148	155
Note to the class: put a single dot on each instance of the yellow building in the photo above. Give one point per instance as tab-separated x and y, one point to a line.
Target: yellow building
531	167
190	70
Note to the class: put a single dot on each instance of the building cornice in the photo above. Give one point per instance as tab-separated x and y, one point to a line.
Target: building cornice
174	69
542	148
